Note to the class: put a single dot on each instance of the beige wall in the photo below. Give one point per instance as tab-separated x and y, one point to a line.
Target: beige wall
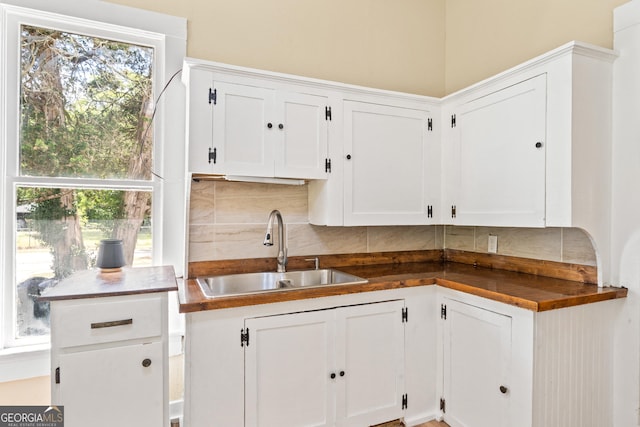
428	47
486	37
395	45
32	391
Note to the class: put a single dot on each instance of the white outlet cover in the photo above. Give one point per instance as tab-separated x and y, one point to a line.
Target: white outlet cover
493	244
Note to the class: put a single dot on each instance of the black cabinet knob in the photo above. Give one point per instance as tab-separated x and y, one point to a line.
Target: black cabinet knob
146	363
280	126
348	156
333	375
538	144
269	125
503	389
342	373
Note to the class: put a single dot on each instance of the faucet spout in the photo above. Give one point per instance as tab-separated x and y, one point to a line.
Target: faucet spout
268	239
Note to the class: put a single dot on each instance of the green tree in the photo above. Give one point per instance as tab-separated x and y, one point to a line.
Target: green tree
86	106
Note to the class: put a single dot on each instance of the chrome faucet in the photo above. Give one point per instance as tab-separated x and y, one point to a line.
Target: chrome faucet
268	239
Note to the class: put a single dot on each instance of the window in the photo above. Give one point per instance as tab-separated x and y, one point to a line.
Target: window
85	112
83	151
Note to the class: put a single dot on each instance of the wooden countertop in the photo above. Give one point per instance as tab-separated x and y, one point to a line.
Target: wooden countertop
94	283
532	292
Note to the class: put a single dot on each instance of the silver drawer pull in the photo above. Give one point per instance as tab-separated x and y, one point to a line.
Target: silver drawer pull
111	324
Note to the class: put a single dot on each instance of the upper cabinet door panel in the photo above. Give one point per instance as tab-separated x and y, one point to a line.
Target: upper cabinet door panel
500	139
242	136
385	164
301	148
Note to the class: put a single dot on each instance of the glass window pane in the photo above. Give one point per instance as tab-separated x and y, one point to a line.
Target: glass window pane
58	231
86	106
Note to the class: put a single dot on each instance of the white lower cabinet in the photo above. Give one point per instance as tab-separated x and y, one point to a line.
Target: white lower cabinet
338	367
109	360
349	360
477	362
501	365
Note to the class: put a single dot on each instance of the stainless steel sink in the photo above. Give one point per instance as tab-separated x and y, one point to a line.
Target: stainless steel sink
250	283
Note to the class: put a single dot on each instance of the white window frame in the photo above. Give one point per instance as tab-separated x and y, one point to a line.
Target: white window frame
29	357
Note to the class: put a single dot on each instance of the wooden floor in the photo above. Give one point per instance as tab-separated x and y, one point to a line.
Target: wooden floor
434	424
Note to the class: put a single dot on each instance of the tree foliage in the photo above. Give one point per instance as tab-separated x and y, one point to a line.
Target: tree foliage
85	109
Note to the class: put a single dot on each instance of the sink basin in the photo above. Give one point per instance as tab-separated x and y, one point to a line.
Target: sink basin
250	283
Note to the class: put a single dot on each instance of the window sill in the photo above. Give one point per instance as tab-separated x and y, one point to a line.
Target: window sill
25	362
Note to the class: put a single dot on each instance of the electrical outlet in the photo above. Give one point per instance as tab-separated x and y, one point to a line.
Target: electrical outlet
493	244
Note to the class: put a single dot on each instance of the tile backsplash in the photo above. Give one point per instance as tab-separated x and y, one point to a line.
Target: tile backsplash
227	220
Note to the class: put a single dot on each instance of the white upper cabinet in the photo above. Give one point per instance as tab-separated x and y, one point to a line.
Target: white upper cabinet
254	127
530	147
495	157
388	169
385	165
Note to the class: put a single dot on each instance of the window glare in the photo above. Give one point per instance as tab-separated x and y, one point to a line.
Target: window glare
58	231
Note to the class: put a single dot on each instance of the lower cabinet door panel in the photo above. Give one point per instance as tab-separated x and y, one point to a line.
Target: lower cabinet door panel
104	392
287	370
477	351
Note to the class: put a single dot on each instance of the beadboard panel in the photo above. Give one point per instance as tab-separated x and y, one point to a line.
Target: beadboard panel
578	337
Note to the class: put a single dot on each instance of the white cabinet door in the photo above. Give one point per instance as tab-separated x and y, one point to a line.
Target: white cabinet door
243	131
338	367
288	364
255	130
96	386
495	155
301	146
370	346
477	360
385	165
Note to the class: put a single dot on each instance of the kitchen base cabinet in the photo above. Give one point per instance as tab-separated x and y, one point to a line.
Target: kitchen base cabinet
97	379
336	361
111	353
287	370
339	367
109	346
477	360
505	366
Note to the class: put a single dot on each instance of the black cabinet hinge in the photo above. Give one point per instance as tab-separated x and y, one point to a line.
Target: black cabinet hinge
213	96
327	113
212	155
405	314
453	120
453	211
442	405
58	375
429	124
244	337
327	165
405	400
443	311
430	211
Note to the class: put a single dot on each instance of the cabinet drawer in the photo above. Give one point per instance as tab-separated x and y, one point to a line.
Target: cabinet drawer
100	320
